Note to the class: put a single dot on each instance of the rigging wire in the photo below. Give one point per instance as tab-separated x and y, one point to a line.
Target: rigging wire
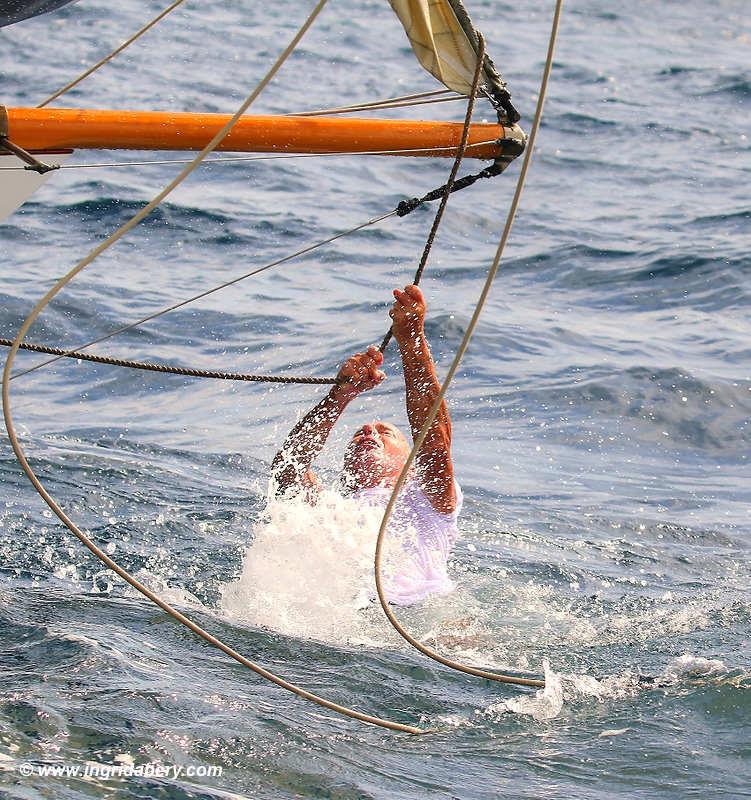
308	249
375	106
443	193
502	678
57	509
273	157
108	58
372	103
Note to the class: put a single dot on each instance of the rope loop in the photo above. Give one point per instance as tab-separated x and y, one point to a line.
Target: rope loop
382	599
445	192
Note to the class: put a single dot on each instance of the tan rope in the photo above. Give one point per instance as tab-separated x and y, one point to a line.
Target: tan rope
493	676
106	59
12	436
376	106
370	104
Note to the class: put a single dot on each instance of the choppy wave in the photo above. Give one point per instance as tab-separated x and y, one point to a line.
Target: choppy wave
600	423
682	673
689	411
737	87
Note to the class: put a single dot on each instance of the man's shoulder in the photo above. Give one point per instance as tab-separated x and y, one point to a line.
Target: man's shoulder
413	492
413	498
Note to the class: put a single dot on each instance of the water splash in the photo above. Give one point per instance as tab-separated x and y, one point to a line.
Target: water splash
309	569
560	689
545	704
688	666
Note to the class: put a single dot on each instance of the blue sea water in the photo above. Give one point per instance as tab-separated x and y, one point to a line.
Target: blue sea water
601	421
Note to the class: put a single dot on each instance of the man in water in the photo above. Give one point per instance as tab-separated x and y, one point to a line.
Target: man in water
430	502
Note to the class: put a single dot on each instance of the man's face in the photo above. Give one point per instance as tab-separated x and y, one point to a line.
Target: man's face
376	454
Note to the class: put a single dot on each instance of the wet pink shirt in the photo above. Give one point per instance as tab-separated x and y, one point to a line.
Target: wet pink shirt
427	536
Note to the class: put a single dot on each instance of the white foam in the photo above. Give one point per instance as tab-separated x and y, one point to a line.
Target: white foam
694	666
609	732
171	594
547	703
308	571
544	704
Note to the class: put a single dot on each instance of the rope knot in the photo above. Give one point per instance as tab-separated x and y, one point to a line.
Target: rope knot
407	206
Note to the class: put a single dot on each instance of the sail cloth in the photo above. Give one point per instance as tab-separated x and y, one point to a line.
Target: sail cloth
445	43
15	10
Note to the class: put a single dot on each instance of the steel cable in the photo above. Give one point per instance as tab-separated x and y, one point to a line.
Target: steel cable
94	67
206	293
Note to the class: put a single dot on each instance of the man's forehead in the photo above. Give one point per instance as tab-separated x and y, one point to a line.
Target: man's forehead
380	425
388	426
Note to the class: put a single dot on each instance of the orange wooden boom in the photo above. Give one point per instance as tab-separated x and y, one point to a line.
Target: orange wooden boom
57	128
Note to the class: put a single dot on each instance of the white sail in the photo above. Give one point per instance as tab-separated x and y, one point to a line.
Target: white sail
438	41
18	184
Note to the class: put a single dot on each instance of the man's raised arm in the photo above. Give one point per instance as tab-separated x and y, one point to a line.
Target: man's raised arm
434	466
291	468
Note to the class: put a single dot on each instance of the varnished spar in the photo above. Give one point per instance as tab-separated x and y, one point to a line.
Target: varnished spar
57	128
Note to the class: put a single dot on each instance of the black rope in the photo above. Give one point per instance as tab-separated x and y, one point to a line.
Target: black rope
167	368
205	293
496	168
495	87
405	207
445	191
